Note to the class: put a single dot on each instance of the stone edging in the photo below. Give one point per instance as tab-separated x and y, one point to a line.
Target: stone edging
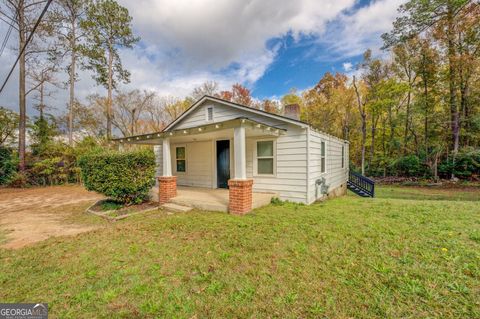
104	214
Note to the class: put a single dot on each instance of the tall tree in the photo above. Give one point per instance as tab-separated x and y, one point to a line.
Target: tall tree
362	100
418	16
22	14
207	88
40	75
130	109
405	58
68	16
107	28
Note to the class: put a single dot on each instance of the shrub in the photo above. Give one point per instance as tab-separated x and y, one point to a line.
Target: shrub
125	177
18	180
408	166
467	164
7	165
50	171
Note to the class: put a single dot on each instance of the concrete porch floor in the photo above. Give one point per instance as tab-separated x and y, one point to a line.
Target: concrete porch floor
211	199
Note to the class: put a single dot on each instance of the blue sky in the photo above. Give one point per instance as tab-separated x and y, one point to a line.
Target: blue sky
298	65
269	46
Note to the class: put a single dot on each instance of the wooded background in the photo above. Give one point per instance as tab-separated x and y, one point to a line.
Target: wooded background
412	110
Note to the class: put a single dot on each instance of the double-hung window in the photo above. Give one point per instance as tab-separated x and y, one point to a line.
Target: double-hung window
180	159
322	157
265	158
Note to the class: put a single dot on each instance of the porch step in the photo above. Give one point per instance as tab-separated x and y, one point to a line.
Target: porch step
172	207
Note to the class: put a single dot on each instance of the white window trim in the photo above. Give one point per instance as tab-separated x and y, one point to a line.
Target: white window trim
324	156
206	113
255	158
175	158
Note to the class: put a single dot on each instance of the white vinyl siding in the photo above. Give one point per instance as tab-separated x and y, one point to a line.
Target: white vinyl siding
199	171
290	179
322	157
223	113
336	172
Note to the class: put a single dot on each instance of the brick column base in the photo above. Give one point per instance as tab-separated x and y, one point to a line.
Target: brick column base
167	188
240	196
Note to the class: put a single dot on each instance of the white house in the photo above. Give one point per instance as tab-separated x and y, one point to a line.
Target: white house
218	144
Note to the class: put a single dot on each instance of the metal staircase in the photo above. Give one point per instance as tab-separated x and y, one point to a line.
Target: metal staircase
361	185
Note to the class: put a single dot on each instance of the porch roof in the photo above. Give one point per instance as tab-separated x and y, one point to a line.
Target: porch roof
156	137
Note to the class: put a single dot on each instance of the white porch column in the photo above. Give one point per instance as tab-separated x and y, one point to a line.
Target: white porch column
167	161
240	153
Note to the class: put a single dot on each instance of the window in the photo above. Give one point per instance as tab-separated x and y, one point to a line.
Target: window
265	158
343	156
180	159
210	113
322	157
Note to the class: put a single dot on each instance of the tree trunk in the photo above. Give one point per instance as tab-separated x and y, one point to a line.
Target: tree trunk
72	85
407	119
21	89
425	93
109	97
364	140
451	83
364	124
42	106
374	132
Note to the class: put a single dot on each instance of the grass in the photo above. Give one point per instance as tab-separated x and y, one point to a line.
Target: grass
390	257
110	205
3	237
429	193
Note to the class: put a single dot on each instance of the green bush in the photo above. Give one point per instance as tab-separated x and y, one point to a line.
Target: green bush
466	165
408	166
125	177
8	165
18	180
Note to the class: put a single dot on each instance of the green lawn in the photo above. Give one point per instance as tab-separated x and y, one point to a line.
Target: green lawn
350	257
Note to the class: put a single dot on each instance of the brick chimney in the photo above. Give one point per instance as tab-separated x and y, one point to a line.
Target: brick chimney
292	111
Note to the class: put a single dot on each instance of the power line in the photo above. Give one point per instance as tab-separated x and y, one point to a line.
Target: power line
7	36
26	43
8	22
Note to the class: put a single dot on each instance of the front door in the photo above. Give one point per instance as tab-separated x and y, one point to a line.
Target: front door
223	163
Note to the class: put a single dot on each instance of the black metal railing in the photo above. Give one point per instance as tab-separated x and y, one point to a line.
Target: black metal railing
361	184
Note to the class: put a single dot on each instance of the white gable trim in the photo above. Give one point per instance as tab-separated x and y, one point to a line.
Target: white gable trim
233	105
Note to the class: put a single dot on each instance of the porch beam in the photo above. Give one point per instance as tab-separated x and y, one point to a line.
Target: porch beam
240	152
166	158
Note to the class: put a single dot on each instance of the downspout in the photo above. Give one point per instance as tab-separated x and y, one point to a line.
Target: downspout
308	165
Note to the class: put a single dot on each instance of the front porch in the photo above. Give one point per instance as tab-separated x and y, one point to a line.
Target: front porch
212	161
211	199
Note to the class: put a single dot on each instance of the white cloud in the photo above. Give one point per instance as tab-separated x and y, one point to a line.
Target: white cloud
347	66
354	32
187	42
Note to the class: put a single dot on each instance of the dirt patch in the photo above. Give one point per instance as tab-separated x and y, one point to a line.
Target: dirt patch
31	215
